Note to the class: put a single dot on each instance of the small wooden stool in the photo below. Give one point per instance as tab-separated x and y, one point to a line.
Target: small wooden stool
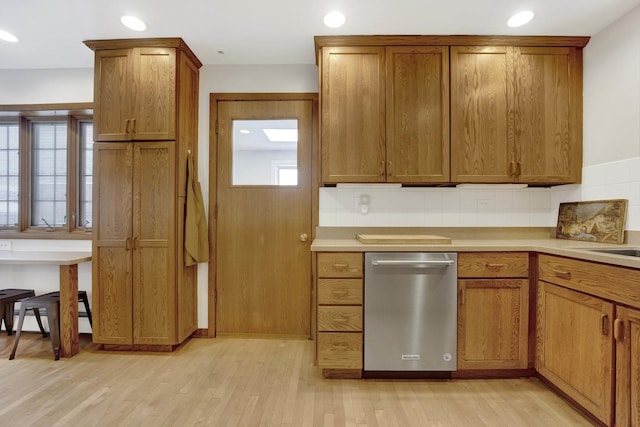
51	303
8	298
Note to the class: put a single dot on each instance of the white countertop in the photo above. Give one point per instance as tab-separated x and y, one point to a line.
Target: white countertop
570	248
48	257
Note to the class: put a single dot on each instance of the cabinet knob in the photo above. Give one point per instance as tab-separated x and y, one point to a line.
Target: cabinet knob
303	237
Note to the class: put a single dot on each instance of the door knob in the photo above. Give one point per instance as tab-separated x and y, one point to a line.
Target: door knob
304	237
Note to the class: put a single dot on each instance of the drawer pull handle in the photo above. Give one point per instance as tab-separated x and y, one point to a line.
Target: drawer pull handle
340	318
492	265
563	274
604	324
340	293
340	346
618	330
340	266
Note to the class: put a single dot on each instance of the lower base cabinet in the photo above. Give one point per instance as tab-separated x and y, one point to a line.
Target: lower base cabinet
575	348
627	335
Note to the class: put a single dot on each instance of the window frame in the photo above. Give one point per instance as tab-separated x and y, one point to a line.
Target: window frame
72	115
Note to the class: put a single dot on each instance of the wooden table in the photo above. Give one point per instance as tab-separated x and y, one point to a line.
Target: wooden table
68	262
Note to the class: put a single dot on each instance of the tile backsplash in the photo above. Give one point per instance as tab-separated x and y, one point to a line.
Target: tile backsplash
477	205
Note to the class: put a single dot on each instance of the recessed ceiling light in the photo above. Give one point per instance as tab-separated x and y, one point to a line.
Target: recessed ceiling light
133	23
520	18
334	19
7	36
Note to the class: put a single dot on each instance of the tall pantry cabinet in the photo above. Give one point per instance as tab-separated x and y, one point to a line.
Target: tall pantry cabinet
145	126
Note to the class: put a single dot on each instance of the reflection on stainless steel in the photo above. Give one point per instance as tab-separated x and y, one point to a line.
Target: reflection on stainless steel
626	252
410	311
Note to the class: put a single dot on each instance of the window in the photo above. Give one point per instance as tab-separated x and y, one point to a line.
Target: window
45	173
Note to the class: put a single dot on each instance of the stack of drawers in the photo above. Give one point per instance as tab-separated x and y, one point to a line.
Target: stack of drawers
340	290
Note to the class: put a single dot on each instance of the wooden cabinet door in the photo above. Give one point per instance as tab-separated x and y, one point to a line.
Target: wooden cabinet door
112	95
112	230
574	346
154	94
353	114
547	115
627	332
154	193
481	110
493	323
417	144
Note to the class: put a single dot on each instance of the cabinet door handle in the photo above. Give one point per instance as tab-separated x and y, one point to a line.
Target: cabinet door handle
340	266
512	168
126	126
127	244
604	324
618	329
518	168
390	168
563	274
381	167
133	127
461	296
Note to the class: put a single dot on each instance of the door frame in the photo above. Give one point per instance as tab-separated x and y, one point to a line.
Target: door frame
214	98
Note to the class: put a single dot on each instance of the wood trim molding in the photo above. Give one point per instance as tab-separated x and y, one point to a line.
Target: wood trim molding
448	40
168	42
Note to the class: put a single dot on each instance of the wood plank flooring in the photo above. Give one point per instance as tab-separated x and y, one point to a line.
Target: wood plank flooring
248	382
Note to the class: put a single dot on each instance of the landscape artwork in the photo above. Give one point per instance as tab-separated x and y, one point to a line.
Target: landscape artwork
596	221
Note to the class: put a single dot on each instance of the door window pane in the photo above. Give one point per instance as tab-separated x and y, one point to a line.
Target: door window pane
265	152
49	174
9	162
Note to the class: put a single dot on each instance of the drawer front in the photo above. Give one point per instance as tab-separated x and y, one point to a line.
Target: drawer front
340	264
340	350
493	264
340	318
340	291
610	282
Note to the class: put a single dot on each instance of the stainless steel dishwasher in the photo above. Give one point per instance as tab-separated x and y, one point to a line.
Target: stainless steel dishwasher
410	311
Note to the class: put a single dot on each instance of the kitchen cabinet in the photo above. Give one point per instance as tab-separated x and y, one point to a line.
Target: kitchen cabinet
516	114
574	346
385	114
137	88
577	333
493	310
339	313
627	335
144	297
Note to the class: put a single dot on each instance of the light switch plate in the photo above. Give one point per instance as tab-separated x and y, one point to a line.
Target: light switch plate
5	245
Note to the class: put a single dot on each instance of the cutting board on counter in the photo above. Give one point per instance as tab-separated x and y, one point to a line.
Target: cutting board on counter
410	239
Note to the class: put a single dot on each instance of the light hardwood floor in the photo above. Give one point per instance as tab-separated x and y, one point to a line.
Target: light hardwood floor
248	382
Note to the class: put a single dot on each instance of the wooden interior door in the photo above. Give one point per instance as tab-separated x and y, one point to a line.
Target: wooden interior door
263	277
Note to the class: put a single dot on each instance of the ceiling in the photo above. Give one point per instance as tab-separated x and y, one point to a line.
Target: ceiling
273	31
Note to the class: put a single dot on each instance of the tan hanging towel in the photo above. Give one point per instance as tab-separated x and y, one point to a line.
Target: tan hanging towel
196	234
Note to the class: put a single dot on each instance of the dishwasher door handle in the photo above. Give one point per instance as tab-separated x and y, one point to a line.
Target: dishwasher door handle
412	263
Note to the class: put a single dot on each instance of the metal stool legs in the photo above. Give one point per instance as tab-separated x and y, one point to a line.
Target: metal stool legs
52	305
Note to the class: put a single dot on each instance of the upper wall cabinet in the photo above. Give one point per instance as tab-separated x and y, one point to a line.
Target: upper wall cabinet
353	114
385	114
137	89
516	114
451	109
417	114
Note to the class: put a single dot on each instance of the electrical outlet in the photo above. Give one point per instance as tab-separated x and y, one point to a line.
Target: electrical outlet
5	245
